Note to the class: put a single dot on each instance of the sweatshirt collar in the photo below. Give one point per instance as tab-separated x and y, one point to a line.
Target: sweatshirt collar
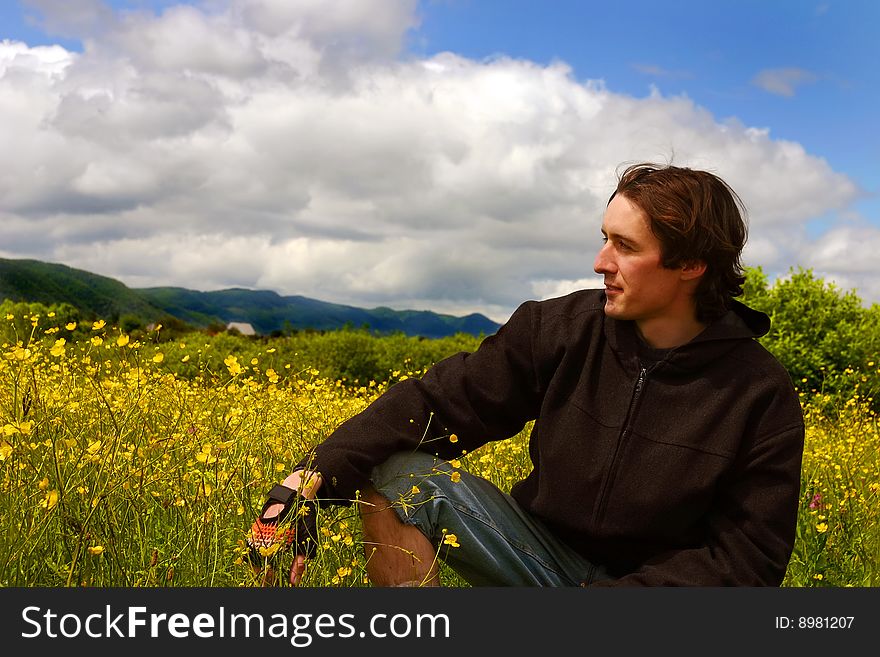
737	324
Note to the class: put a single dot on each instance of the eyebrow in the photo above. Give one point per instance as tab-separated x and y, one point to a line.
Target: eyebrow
626	238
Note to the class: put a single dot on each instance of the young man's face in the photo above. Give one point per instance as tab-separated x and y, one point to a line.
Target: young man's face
637	286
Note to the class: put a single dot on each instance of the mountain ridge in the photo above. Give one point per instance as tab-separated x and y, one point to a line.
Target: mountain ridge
266	310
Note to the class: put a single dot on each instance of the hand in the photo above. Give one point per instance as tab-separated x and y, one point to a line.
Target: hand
307	483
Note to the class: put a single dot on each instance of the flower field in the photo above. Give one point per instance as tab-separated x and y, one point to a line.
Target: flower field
129	461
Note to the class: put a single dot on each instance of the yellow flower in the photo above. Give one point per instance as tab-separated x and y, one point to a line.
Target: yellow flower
270	551
232	365
97	340
822	527
453	438
122	340
455	463
50	500
95	550
185	359
451	540
21	353
272	375
206	458
97	326
159	357
415	489
44	483
455	477
70	326
5	451
58	348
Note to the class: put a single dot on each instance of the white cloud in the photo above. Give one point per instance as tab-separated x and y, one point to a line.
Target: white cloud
51	61
550	289
659	71
850	250
291	146
783	81
77	18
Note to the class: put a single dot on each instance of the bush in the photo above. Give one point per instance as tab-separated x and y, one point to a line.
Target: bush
826	338
23	321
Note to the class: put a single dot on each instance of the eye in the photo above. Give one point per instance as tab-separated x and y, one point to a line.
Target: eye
604	239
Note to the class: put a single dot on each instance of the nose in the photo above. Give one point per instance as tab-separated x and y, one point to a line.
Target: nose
604	262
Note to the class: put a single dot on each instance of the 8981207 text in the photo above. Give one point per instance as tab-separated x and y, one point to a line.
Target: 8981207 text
815	622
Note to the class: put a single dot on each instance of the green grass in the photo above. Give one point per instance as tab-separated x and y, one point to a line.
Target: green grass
116	469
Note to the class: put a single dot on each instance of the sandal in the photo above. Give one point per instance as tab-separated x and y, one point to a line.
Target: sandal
302	532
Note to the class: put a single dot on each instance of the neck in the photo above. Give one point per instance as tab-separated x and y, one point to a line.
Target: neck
666	333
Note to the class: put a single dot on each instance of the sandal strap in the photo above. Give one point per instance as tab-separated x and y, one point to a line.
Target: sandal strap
286	496
282	494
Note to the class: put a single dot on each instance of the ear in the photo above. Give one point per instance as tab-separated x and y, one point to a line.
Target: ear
692	270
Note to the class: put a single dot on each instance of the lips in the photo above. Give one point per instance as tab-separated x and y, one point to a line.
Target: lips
611	289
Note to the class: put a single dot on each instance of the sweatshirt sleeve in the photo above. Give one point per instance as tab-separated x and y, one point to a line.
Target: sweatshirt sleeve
750	532
482	396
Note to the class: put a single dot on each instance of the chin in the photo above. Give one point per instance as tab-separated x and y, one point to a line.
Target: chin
612	311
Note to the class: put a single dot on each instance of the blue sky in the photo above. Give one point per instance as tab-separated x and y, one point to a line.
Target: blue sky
779	96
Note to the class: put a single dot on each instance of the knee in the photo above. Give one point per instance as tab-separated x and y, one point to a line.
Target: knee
414	476
401	468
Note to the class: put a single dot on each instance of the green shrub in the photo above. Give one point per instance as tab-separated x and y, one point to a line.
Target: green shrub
826	338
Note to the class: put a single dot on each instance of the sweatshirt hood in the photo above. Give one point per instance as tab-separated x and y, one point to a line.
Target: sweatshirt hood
740	323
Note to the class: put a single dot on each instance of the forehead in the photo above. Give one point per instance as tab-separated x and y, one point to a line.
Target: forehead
624	218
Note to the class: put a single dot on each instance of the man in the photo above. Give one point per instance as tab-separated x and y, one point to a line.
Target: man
667	442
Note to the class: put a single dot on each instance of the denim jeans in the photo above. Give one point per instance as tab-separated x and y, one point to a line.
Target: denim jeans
499	544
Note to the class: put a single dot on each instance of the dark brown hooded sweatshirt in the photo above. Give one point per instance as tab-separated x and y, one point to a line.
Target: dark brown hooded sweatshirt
680	471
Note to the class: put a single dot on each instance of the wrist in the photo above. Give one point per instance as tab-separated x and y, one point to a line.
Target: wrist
305	482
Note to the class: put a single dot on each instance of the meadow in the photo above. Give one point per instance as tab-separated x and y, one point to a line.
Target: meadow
133	460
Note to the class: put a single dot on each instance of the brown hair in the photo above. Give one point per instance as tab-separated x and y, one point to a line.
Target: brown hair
696	216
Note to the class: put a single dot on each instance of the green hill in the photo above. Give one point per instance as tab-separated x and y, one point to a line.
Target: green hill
266	311
93	295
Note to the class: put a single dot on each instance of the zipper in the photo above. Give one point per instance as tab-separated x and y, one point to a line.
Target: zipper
621	439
